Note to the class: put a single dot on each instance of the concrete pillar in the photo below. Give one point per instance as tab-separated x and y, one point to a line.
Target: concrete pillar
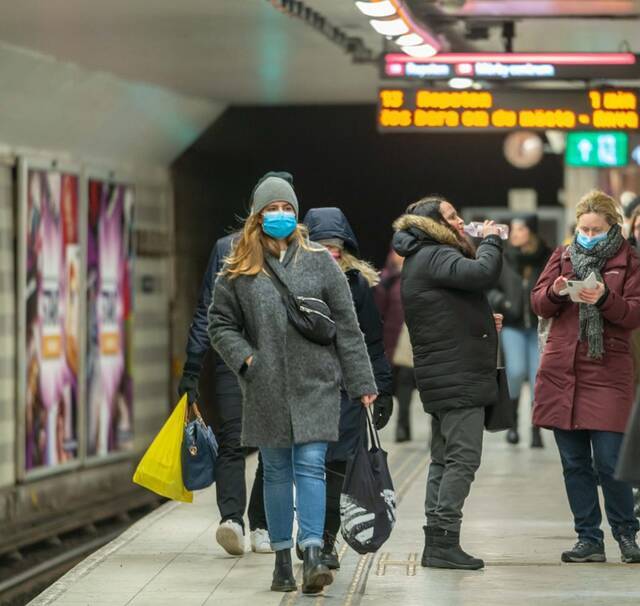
577	182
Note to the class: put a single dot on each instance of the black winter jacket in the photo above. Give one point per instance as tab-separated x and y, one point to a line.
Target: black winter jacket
198	343
450	323
512	295
326	223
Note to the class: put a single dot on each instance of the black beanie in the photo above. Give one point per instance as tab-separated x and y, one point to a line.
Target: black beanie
530	220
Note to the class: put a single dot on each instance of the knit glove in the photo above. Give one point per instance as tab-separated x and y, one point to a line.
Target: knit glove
382	409
189	382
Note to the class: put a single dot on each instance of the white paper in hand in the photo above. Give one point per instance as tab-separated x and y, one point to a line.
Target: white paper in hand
575	286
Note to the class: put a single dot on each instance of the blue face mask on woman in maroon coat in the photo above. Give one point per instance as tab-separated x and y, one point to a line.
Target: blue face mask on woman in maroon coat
589	242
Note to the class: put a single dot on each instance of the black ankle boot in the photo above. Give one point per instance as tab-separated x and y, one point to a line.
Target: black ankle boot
442	550
403	434
536	438
329	553
513	437
315	574
283	579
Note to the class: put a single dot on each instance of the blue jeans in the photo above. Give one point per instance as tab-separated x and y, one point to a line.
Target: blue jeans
302	465
581	482
521	357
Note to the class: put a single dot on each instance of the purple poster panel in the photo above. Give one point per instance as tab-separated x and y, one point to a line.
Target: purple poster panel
109	318
52	318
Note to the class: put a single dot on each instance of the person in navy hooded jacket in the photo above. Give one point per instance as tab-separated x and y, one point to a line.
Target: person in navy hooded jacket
329	227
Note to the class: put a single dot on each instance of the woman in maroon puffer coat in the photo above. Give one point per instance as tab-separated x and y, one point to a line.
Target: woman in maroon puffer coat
585	383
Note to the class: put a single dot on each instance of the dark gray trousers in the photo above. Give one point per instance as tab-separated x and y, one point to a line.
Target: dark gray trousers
456	450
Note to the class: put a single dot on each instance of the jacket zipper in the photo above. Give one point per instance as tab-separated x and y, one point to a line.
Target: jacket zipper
313	311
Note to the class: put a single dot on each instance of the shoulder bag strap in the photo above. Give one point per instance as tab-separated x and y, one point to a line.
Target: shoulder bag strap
278	282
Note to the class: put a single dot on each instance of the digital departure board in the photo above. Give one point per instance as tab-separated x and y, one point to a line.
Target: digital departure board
423	110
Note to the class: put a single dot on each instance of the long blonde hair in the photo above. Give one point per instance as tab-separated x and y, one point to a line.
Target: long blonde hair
248	252
348	261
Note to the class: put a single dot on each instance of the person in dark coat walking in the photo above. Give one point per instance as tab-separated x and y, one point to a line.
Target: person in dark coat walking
290	384
329	227
388	297
231	492
524	260
629	464
455	345
585	386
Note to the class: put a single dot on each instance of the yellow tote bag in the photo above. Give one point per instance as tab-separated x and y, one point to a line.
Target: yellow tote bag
160	469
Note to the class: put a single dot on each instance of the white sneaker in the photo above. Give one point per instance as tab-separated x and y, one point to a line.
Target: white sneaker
230	537
260	542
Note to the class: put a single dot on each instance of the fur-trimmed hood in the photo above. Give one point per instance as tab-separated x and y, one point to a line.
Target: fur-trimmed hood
413	232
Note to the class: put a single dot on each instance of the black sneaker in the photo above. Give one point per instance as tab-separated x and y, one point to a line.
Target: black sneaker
629	550
513	437
585	551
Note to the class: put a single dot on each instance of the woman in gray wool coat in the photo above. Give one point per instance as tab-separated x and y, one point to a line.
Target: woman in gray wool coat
290	385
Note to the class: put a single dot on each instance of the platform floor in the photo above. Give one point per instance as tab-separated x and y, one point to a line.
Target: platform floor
516	518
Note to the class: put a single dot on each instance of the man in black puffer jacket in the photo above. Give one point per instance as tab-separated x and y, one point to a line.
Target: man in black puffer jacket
455	344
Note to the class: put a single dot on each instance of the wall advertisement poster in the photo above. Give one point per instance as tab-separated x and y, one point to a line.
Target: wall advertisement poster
109	378
76	318
52	318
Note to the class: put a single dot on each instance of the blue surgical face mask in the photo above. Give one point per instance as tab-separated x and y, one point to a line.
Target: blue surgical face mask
279	224
589	242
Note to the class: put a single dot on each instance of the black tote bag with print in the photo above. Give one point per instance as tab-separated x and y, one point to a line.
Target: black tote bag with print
368	499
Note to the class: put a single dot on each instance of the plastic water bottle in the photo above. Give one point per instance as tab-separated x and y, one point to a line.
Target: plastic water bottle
475	229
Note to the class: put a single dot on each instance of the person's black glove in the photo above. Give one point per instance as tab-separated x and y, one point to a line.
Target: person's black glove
382	409
189	382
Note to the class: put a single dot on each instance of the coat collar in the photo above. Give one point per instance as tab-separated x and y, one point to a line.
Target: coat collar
430	228
292	251
414	232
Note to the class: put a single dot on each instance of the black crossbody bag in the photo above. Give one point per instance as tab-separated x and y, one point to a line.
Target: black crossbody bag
310	317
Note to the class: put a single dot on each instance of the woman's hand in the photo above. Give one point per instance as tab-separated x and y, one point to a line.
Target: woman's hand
368	399
249	361
498	318
490	229
559	285
592	295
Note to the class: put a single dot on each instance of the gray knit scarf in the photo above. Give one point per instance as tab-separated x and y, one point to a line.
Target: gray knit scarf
584	262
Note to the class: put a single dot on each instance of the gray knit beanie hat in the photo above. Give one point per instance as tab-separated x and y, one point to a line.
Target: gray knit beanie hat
273	189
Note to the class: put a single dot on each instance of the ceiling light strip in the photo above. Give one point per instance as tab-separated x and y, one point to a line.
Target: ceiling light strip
556	58
428	36
396	21
383	8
